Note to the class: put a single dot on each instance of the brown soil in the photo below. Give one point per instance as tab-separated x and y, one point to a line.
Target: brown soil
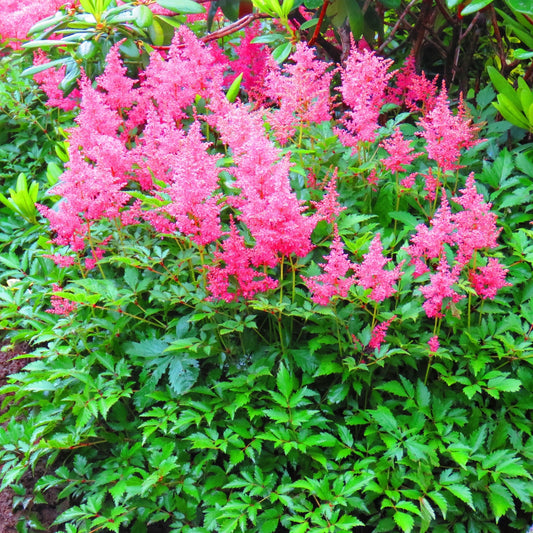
45	513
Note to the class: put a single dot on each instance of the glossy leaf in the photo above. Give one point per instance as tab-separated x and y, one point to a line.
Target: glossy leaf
521	6
474	6
186	7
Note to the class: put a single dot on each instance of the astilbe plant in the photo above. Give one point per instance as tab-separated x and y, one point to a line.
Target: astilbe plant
232	346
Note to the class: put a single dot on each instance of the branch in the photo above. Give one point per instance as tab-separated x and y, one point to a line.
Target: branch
319	23
396	26
233	27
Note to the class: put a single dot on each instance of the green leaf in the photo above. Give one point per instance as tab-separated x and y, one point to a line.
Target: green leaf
518	196
284	381
46	23
511	112
393	387
500	500
406	218
441	502
234	88
423	396
142	16
475	6
522	6
523	490
404	521
338	392
503	384
502	85
383	416
417	451
462	492
45	44
182	374
39	68
186	7
281	52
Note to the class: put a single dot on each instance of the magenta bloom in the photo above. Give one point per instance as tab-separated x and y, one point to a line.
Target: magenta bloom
440	288
428	242
16	17
372	275
232	276
476	225
446	134
413	89
267	204
379	333
335	280
329	207
364	81
434	344
194	180
301	90
489	279
400	152
60	306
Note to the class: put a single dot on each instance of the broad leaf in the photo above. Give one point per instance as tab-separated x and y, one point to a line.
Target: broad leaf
186	7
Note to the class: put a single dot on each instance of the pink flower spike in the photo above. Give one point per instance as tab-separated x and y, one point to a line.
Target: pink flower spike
490	279
62	261
334	281
364	81
409	181
372	275
439	288
302	91
412	89
400	152
329	208
446	133
378	334
433	344
476	225
236	278
60	306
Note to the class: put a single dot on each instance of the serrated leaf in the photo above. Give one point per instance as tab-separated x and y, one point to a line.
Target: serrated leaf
404	521
393	387
423	396
441	502
523	490
503	384
417	451
182	374
518	196
383	416
236	456
500	500
131	274
148	348
338	392
462	492
406	218
284	381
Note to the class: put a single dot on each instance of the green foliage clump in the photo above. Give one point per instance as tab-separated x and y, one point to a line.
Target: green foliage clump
151	402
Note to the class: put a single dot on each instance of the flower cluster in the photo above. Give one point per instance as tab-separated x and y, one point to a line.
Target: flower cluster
60	306
171	151
363	89
469	232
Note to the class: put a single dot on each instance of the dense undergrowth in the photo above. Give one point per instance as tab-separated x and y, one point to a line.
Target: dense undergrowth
301	304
